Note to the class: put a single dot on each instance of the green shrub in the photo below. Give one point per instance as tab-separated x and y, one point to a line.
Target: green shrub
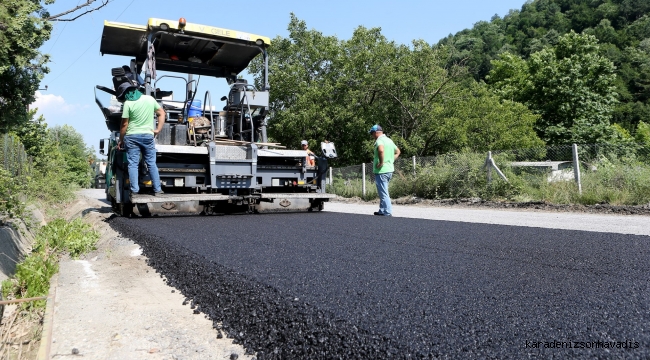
619	177
75	237
459	175
7	288
33	276
49	188
10	195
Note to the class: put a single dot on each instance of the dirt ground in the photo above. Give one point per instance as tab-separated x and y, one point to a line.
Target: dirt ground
111	305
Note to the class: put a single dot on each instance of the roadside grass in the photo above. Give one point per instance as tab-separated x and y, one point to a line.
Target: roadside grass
610	180
33	274
48	188
22	329
353	187
44	188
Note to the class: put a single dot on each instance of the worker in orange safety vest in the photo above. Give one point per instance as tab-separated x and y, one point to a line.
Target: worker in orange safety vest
310	160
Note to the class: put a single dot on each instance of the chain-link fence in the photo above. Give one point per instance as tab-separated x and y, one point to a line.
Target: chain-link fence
528	173
13	157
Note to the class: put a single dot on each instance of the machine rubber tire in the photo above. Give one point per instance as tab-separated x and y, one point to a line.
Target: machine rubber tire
126	210
2	308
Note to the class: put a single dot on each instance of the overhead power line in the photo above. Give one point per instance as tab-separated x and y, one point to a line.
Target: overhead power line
88	48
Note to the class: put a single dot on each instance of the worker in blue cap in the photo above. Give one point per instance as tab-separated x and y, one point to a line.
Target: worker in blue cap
386	152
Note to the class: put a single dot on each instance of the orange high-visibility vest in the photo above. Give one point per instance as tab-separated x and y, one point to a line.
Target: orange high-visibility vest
310	161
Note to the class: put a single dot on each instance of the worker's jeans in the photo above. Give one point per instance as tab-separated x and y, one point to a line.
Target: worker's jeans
136	144
382	180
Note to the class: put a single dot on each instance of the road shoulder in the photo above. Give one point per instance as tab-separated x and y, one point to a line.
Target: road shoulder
112	305
608	223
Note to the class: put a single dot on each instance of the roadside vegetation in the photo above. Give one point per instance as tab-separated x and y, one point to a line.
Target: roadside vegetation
615	179
44	166
553	73
40	169
33	274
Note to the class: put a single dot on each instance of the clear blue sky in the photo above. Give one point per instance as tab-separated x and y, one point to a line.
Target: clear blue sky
77	66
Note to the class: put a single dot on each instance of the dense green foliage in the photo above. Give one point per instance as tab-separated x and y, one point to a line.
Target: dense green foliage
75	237
622	28
324	88
59	162
612	177
23	29
10	191
25	25
77	157
570	85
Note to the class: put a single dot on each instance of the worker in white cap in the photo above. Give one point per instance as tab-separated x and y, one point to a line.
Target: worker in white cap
311	157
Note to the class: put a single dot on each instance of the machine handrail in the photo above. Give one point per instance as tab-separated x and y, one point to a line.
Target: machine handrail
185	109
205	98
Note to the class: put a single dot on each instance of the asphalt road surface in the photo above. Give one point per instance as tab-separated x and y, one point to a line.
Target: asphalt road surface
340	285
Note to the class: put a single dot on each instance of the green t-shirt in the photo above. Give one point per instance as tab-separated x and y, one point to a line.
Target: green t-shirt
140	114
389	155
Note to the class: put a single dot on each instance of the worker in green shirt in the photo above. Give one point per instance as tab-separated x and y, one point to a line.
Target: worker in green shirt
386	152
137	133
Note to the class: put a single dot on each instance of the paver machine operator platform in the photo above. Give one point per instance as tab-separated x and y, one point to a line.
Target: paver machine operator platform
210	161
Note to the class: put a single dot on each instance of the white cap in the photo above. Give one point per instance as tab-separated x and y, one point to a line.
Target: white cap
304	142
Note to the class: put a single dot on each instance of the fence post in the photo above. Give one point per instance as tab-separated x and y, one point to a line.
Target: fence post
5	155
576	168
12	159
413	165
331	183
363	178
488	163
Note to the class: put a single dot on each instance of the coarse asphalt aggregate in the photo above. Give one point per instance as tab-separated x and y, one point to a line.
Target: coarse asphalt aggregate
331	285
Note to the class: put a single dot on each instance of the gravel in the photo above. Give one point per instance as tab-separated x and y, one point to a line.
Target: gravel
340	286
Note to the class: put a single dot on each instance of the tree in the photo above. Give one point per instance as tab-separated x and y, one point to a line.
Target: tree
24	30
76	155
325	88
571	86
33	135
302	104
619	25
478	120
24	27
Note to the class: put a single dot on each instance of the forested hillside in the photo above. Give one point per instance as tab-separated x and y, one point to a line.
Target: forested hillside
622	28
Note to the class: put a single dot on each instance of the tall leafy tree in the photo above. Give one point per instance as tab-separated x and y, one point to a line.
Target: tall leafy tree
33	135
23	29
621	27
305	102
326	88
76	155
24	26
478	120
570	85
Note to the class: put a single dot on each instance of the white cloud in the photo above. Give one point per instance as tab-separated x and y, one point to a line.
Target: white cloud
50	104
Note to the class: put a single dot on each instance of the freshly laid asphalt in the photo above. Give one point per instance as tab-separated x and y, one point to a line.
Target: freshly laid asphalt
334	285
